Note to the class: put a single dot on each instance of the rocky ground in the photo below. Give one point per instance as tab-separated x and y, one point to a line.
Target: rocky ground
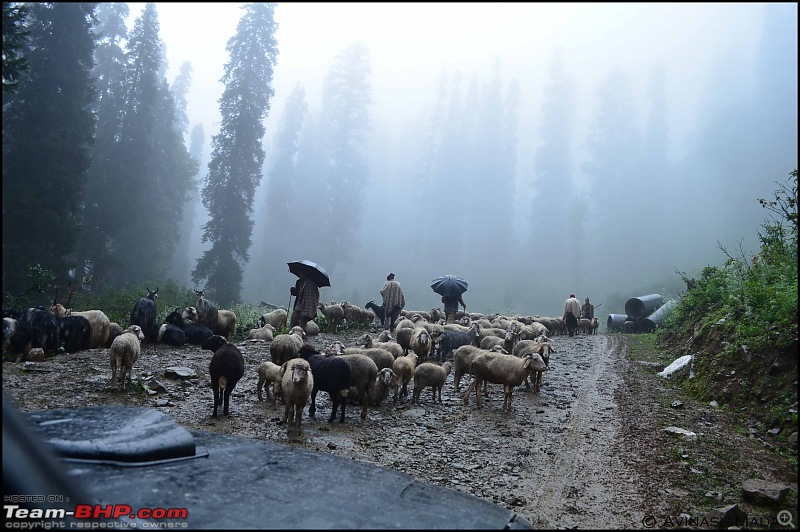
588	451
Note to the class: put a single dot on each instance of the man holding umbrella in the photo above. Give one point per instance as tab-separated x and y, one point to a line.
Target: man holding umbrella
451	307
310	278
305	306
450	288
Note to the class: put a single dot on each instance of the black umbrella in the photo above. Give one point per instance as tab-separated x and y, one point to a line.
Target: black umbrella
449	285
313	271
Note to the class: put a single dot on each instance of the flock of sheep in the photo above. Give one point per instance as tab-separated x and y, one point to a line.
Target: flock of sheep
421	353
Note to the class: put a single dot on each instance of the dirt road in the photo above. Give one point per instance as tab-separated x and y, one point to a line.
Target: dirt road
588	451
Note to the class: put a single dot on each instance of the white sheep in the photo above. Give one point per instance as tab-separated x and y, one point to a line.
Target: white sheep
355	314
266	333
381	357
421	343
541	345
312	329
463	357
123	354
296	385
285	346
403	335
334	314
404	367
405	322
540	348
363	373
386	380
277	318
411	313
430	374
223	325
393	347
507	370
269	372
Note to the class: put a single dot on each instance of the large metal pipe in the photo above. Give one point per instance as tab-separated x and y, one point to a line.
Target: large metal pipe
656	319
638	307
615	322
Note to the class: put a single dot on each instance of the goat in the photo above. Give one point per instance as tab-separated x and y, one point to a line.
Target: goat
144	315
380	312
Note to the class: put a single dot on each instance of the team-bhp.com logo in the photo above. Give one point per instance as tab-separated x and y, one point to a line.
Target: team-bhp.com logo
97	511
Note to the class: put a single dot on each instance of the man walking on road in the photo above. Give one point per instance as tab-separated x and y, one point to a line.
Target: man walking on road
393	301
572	310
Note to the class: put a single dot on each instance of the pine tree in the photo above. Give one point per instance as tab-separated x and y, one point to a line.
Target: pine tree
614	167
181	85
278	206
181	260
553	164
152	170
237	154
346	120
109	78
448	175
48	132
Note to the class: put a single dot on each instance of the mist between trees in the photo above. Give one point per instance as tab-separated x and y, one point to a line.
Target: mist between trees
104	175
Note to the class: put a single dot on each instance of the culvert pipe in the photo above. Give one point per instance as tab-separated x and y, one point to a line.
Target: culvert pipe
638	307
656	319
615	322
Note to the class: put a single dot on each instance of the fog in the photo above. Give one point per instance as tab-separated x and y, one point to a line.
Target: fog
644	135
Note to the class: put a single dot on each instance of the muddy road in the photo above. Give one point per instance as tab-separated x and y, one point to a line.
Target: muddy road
588	451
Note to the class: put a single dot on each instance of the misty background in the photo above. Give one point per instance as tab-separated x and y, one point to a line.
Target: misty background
536	150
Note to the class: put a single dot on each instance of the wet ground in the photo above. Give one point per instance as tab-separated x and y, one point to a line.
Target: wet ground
588	451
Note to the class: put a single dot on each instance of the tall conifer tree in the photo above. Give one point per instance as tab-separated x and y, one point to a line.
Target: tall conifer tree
346	121
109	77
48	132
237	155
151	168
278	206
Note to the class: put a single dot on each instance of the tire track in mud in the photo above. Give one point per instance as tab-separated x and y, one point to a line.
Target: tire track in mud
584	484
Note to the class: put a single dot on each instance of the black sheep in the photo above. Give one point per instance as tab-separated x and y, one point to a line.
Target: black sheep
226	368
331	374
195	333
449	341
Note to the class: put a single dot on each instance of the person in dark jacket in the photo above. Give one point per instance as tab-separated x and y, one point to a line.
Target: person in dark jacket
305	306
393	301
587	310
451	307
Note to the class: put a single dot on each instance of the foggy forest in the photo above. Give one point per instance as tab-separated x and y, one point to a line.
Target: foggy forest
529	187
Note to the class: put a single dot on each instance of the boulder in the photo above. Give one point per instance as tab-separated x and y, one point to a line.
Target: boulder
763	492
